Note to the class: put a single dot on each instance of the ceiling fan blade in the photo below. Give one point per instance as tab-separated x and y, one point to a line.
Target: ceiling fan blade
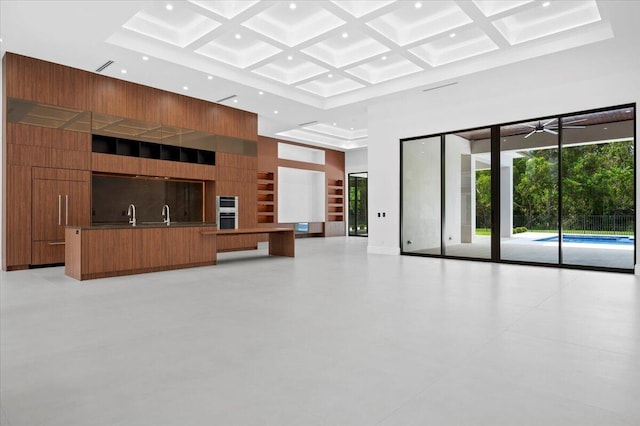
574	127
553	132
529	125
549	122
532	132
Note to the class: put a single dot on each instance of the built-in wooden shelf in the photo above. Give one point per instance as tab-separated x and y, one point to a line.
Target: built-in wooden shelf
265	197
335	200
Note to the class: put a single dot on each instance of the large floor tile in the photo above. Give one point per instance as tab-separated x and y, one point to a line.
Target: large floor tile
334	336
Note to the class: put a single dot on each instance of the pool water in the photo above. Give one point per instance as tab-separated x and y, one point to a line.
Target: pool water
591	239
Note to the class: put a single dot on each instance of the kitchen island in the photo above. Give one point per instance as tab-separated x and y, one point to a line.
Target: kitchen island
113	250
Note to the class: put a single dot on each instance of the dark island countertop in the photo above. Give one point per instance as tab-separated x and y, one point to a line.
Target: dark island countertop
147	225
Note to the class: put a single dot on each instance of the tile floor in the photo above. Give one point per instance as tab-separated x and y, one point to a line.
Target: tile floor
332	337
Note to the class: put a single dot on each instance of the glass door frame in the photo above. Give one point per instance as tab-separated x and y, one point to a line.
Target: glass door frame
356	234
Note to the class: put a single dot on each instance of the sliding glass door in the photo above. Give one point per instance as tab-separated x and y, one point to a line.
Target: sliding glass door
558	190
529	191
467	195
598	197
421	196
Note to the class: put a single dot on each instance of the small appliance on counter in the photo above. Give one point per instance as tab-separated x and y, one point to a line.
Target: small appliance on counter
227	212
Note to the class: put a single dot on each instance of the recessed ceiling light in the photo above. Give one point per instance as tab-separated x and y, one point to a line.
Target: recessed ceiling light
292	6
169	6
546	4
452	35
290	57
418	5
606	128
384	58
628	110
334	124
185	87
275	111
345	35
261	93
351	128
145	58
238	36
235	101
123	71
210	77
330	76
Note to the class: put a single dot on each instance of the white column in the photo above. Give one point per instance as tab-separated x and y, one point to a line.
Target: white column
506	198
467	204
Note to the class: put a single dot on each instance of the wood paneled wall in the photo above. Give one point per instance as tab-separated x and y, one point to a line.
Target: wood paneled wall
25	146
48	83
334	169
237	176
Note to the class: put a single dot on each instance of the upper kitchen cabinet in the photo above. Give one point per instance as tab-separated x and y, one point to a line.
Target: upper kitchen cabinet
45	82
190	113
121	98
237	123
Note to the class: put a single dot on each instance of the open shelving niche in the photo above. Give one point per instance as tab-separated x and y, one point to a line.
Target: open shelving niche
266	201
335	200
133	148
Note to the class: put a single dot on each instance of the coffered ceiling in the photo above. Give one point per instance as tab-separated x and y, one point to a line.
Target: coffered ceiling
309	66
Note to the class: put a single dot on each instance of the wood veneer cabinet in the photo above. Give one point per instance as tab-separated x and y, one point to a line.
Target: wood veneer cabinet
28	147
94	252
237	177
59	198
45	82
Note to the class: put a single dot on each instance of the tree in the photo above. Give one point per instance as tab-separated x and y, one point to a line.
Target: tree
483	198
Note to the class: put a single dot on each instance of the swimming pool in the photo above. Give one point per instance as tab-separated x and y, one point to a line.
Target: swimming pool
591	239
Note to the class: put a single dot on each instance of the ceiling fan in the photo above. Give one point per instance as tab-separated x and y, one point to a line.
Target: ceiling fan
553	128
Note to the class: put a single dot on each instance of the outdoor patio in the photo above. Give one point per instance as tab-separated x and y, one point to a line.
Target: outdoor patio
524	247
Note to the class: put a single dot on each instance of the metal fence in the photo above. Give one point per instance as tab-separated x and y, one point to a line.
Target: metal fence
583	224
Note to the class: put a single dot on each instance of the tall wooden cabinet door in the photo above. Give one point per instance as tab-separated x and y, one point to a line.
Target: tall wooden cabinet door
56	204
47	221
47	210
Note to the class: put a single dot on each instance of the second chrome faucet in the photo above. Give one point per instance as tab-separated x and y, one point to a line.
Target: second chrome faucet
131	212
165	215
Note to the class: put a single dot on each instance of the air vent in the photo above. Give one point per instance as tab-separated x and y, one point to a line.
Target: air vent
440	87
105	65
307	124
226	99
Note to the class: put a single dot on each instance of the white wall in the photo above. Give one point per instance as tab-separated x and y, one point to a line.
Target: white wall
454	148
301	195
561	83
2	215
355	160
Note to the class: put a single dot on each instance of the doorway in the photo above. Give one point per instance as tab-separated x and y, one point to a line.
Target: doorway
358	204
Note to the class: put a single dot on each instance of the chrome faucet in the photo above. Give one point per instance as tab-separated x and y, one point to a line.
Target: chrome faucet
165	214
131	212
